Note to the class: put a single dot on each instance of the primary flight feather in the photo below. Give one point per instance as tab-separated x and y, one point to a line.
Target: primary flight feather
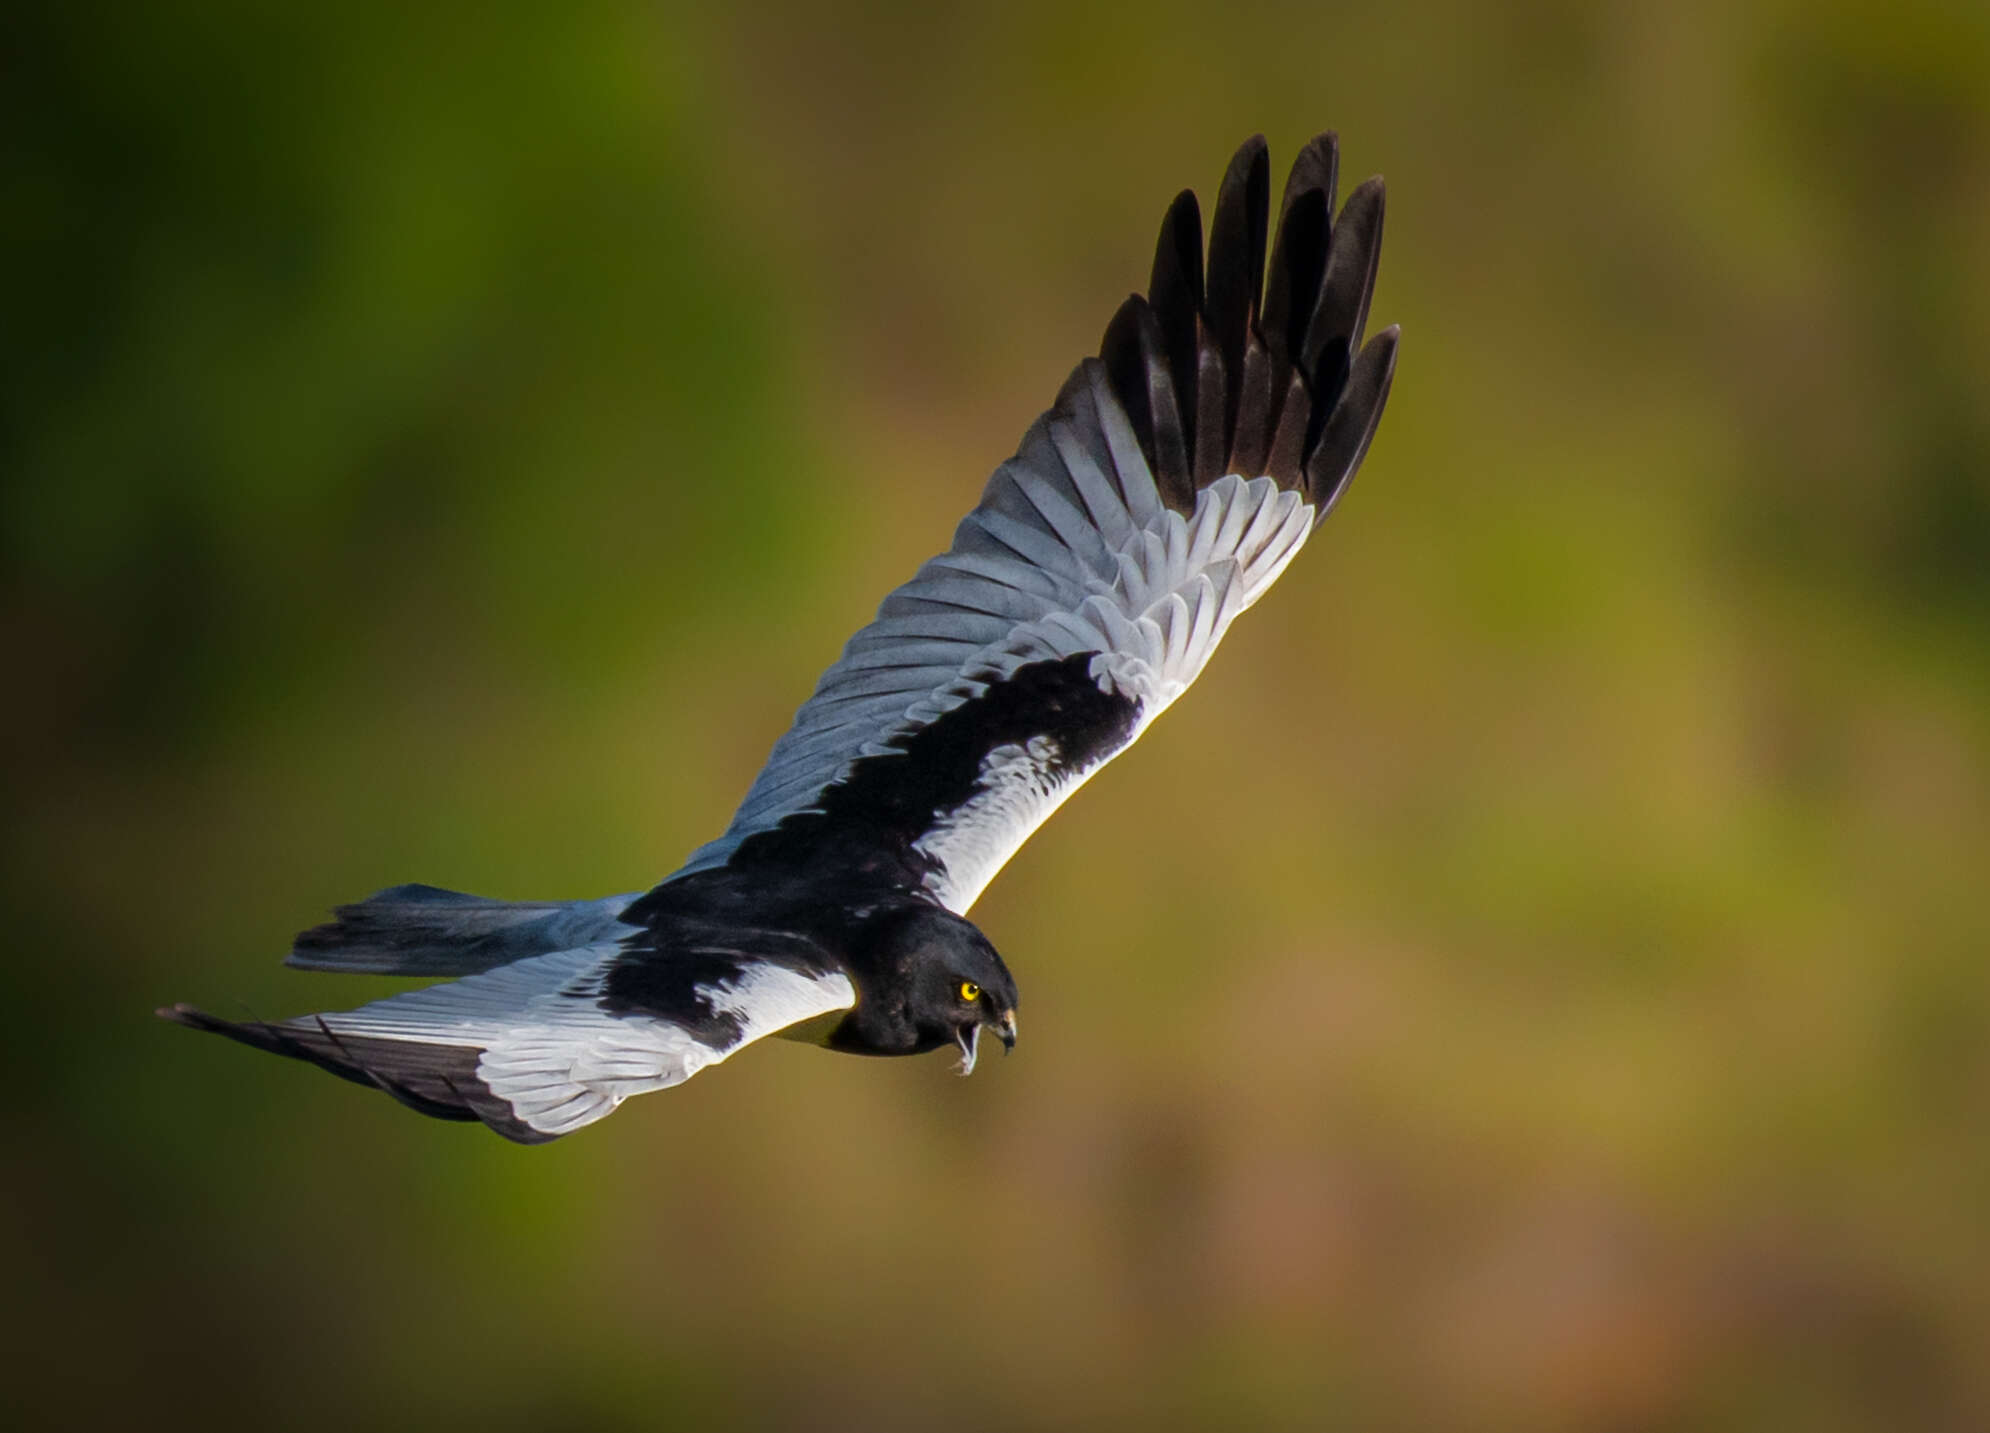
1163	493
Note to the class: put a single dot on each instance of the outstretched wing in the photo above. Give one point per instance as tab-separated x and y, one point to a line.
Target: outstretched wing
539	1047
1176	476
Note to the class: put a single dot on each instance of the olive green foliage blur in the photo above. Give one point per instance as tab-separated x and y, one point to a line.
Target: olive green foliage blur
1537	981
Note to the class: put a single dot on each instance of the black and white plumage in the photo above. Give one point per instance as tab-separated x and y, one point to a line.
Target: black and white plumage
1164	492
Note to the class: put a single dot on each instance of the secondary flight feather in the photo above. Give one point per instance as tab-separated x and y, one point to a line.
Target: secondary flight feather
1169	485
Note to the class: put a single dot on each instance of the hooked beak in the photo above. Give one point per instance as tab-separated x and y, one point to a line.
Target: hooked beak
968	1037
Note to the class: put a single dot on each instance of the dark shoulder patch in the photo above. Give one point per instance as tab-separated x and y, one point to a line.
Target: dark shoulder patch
676	985
864	826
699	938
436	1080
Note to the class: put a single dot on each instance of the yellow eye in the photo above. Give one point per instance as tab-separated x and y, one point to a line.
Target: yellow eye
969	991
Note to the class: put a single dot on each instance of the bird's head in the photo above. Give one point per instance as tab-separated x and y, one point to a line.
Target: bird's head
944	984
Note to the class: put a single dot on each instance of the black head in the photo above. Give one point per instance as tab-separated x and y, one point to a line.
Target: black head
928	978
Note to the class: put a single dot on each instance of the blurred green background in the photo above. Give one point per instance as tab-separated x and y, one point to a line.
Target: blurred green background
1537	982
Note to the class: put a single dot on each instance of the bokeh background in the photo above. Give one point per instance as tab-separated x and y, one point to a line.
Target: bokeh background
1538	981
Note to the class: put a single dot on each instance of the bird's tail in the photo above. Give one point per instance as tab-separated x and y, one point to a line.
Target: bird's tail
424	930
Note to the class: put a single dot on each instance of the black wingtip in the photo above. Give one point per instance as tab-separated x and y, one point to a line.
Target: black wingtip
1178	252
1126	367
1316	166
440	1081
1174	290
193	1018
1236	366
1355	253
1233	293
1351	428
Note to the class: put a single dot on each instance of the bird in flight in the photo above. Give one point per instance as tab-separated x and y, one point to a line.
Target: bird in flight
1163	493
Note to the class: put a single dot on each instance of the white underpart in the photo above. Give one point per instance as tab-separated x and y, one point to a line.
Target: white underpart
556	1057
